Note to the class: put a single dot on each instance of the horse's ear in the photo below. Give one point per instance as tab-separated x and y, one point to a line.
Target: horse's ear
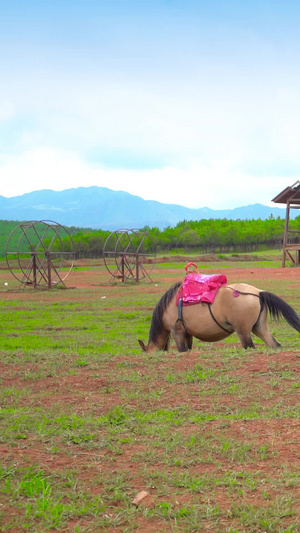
142	345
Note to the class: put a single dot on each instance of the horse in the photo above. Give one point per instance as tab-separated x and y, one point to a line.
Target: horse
237	307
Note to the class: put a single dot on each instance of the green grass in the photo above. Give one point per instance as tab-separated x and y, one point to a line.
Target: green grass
87	420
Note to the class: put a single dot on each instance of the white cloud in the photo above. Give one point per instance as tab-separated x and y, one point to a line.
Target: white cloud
218	186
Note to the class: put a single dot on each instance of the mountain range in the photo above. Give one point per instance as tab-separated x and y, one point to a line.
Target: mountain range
101	208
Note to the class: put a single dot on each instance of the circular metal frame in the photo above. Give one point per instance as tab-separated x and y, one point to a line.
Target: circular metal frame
129	254
40	253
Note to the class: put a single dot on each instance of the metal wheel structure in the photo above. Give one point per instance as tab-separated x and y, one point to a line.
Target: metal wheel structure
40	253
129	254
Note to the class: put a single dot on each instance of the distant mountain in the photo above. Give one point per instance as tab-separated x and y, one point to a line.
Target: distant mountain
102	208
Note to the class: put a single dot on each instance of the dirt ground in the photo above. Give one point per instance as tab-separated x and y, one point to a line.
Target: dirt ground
282	435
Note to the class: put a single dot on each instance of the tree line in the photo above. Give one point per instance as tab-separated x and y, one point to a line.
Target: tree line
202	236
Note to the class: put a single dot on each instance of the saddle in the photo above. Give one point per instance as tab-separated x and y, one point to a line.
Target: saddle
198	287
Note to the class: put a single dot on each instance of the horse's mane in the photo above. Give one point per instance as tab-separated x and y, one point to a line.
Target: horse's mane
156	327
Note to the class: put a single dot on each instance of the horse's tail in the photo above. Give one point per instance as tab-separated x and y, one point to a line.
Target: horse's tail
278	307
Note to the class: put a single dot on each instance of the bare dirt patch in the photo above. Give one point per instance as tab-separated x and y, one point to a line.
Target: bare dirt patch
262	448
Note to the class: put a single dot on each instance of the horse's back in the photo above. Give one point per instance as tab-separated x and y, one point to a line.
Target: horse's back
239	303
235	307
244	288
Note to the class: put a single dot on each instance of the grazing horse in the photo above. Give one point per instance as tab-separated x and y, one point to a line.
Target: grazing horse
237	307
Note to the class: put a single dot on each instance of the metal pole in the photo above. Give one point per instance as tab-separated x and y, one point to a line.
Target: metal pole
34	269
137	277
49	269
123	268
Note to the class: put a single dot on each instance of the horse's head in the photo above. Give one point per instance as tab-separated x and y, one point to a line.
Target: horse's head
152	347
143	345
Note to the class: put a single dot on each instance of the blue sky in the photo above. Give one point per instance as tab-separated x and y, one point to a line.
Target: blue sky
188	102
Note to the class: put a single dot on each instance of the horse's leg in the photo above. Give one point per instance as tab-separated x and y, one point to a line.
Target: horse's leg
243	313
261	330
189	341
182	339
245	338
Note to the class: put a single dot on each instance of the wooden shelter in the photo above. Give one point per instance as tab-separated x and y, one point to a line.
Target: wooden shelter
291	197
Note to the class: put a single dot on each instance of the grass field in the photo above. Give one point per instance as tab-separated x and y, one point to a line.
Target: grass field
87	421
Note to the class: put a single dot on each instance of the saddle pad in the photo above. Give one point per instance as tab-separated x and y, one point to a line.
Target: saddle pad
200	288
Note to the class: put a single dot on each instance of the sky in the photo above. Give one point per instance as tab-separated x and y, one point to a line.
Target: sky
189	102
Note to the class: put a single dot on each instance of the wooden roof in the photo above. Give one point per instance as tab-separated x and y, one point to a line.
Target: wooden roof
290	195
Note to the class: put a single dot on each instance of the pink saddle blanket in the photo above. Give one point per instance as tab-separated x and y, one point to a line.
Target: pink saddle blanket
200	288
